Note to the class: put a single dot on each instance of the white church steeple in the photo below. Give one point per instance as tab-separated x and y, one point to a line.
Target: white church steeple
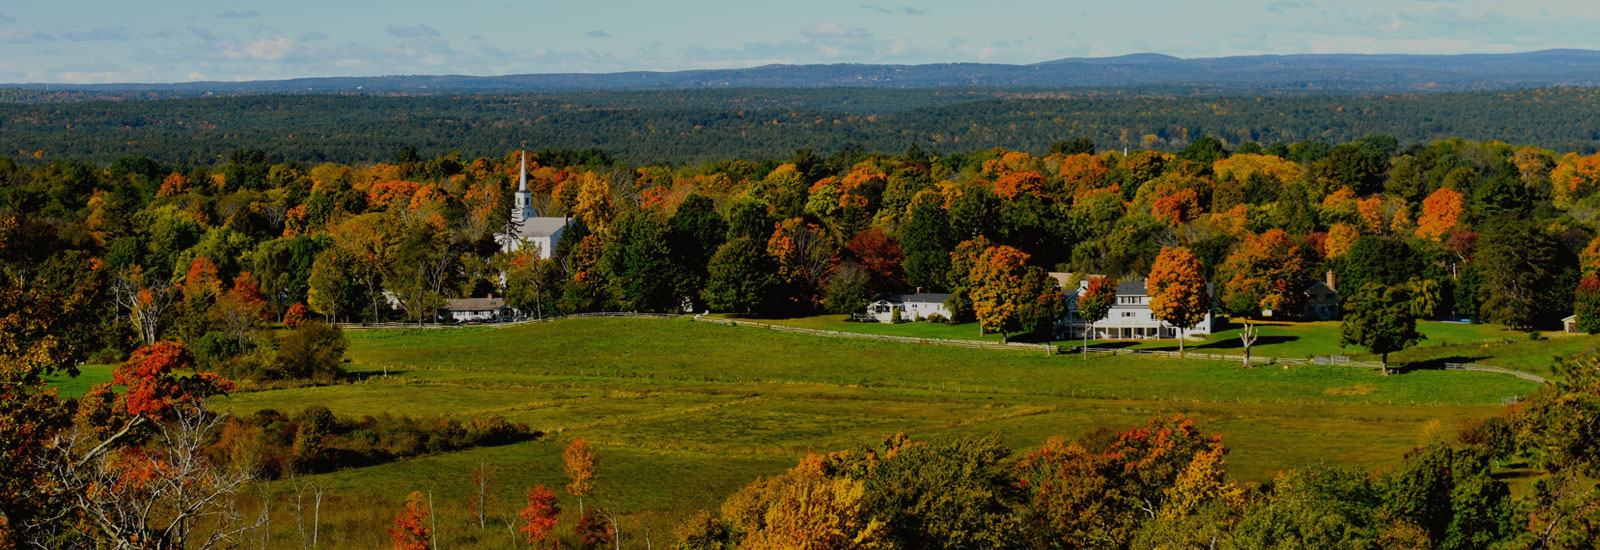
523	198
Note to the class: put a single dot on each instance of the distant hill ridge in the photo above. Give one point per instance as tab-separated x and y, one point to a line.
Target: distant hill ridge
1309	73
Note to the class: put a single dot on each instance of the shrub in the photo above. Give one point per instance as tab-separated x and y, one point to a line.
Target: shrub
311	352
935	318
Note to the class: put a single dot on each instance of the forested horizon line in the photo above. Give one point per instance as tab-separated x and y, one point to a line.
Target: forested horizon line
683	127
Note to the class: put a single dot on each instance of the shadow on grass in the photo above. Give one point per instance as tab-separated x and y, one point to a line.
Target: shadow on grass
1438	363
1235	343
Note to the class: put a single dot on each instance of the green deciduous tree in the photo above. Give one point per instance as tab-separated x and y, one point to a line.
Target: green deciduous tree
742	277
638	263
1381	319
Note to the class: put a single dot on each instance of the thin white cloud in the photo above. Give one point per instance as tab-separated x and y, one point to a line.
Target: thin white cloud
597	33
237	14
834	30
413	31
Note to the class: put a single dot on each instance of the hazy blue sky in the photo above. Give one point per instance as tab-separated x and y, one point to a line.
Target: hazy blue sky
176	40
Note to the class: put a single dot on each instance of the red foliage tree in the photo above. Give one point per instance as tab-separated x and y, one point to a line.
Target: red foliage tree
153	385
539	517
880	255
411	529
296	315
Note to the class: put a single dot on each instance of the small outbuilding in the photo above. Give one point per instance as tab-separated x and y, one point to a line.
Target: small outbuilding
912	307
1569	324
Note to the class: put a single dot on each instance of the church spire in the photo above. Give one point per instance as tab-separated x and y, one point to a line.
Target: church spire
524	199
522	178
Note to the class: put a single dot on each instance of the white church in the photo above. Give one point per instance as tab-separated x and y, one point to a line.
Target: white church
527	228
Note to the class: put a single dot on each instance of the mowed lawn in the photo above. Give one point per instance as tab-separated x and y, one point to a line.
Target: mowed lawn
683	413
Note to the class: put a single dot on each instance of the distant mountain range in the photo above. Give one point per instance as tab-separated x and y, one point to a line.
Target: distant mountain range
1307	73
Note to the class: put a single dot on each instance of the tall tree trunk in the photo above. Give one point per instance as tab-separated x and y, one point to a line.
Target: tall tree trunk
1086	339
1248	336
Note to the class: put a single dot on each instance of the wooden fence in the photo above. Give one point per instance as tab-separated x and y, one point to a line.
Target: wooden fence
431	326
1487	368
1254	359
1048	349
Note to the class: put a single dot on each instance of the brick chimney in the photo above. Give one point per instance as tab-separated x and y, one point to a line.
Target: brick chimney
1330	281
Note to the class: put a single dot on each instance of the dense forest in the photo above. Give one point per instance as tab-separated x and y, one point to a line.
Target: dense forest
171	268
687	126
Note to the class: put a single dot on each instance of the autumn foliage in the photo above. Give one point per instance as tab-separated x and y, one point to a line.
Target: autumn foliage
412	529
579	462
1441	211
153	384
539	517
1177	288
1009	296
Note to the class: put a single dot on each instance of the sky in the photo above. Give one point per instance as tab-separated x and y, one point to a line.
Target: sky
74	41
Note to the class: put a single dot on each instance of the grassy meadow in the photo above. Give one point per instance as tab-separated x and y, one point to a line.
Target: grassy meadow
1445	342
683	413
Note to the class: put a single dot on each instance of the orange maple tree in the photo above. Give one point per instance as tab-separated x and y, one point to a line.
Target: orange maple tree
1013	184
1440	213
1263	273
1177	208
1009	296
1177	290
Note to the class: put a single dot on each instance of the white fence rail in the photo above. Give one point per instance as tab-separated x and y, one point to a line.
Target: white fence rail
430	326
1048	349
1254	359
1486	368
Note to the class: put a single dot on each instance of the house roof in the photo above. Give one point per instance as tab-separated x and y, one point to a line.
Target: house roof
1137	287
920	298
474	304
537	227
1132	287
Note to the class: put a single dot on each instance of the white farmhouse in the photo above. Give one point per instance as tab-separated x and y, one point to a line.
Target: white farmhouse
463	310
525	227
1130	317
912	307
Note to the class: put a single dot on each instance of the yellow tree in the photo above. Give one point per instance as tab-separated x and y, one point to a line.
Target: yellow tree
593	204
804	508
1177	290
580	463
1440	213
1341	237
1574	177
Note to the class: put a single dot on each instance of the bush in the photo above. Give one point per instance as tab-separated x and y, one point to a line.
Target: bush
312	352
935	318
271	444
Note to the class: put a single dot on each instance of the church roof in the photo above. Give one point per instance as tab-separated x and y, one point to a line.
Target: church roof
537	227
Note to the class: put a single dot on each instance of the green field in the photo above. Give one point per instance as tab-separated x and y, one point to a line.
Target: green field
682	413
88	376
1445	343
